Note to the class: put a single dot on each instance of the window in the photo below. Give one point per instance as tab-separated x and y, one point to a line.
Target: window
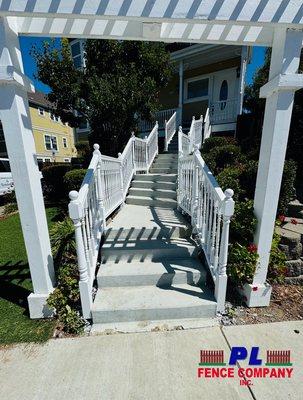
223	94
41	111
67	160
64	142
54	117
50	142
76	49
197	88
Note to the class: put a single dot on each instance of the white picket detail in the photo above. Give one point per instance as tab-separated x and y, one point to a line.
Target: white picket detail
200	196
193	139
170	130
103	190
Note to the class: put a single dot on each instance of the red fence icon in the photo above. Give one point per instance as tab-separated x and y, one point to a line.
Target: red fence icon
212	357
278	357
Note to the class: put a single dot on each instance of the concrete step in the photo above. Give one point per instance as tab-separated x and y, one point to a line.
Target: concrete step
154	185
163	164
163	274
156	177
169	232
295	209
144	250
149	201
163	170
167	156
143	303
153	193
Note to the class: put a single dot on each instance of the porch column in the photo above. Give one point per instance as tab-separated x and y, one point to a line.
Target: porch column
181	89
279	93
17	127
244	57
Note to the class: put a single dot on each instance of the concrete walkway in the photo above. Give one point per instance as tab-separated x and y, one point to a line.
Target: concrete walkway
146	366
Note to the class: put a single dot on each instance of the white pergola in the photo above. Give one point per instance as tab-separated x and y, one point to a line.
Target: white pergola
274	23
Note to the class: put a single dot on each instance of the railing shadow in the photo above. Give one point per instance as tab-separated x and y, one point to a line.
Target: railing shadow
12	284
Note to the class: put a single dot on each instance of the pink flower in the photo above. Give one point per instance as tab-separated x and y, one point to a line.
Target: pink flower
252	248
255	288
281	218
294	221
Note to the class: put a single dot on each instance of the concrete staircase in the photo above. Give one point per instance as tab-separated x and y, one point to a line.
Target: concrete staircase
150	270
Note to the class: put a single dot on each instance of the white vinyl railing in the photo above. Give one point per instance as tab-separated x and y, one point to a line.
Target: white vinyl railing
160	116
194	138
103	190
170	129
200	196
224	111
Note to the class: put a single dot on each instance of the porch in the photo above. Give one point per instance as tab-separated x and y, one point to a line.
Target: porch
222	26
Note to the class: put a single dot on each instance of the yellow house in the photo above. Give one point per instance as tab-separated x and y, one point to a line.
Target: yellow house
54	140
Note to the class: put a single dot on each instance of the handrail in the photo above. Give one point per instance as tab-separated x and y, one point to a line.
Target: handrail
103	190
200	196
170	130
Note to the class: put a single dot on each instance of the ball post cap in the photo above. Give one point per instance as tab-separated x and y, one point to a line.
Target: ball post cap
229	193
73	195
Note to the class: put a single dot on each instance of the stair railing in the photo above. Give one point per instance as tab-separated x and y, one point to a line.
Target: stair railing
170	130
210	210
196	133
103	190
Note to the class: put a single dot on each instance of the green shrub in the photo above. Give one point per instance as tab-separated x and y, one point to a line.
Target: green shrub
242	262
277	260
221	157
10	208
243	223
217	141
229	179
248	179
65	300
63	240
73	179
53	184
287	192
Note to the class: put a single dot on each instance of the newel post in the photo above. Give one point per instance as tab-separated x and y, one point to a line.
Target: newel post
121	177
221	279
99	187
76	214
146	154
195	195
133	137
179	178
192	138
165	139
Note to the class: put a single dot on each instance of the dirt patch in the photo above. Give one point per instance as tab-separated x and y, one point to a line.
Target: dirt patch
286	305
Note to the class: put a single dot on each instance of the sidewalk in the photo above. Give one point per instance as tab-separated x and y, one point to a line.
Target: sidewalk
154	365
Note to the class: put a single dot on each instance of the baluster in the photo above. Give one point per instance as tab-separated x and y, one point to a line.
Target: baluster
76	214
221	279
195	198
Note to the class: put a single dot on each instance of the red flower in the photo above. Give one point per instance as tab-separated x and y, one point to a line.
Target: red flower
255	288
281	218
294	221
252	248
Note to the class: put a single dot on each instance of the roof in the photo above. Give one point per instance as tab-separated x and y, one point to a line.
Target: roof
39	99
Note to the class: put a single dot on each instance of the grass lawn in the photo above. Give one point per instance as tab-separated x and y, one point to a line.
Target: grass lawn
15	286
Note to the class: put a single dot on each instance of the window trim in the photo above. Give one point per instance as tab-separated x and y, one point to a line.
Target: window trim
65	143
194	79
51	142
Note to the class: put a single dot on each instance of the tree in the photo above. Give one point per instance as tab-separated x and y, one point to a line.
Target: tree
119	84
256	107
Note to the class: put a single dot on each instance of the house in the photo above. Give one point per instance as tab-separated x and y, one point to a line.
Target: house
206	76
54	140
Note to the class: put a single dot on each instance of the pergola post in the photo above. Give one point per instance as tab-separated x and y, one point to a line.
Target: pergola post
181	89
17	127
279	93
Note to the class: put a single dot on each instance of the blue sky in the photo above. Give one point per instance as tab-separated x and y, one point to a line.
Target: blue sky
30	65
